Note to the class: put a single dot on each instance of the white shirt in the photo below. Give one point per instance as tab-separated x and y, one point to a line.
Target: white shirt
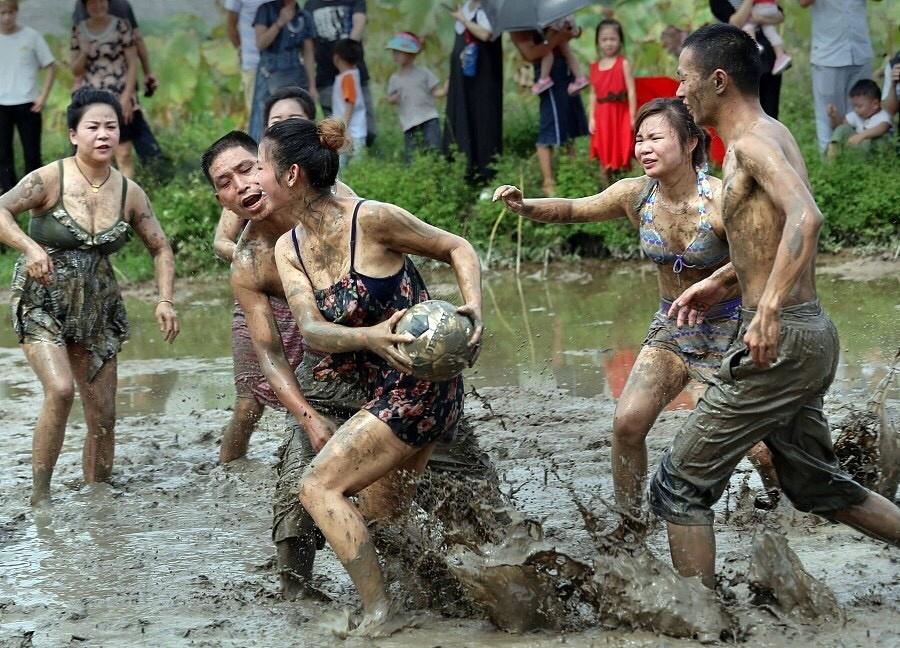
859	124
246	11
476	15
24	53
357	125
840	33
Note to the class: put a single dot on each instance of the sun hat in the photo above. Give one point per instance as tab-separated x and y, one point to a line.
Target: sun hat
405	42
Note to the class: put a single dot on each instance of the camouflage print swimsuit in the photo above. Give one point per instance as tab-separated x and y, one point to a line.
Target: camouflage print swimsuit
82	303
417	411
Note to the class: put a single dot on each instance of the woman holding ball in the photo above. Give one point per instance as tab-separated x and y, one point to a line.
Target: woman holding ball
348	280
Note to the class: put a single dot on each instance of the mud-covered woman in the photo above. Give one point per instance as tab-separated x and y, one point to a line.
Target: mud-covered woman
675	206
348	280
67	308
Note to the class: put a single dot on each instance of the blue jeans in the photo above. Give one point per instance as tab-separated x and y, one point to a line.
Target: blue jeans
425	136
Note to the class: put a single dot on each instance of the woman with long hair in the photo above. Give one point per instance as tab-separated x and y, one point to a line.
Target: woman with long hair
67	308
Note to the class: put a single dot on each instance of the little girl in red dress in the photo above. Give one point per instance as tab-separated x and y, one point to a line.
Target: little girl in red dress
614	101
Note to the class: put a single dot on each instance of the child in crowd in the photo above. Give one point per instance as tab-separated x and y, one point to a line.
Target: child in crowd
866	125
765	10
22	97
413	89
613	101
346	95
544	81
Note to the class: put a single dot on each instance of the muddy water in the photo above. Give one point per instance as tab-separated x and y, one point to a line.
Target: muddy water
176	550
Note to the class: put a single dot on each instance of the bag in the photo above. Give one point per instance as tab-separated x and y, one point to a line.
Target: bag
468	58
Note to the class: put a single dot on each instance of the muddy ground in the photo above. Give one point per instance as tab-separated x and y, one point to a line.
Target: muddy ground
176	550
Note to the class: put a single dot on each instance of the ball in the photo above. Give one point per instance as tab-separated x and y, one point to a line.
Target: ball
440	349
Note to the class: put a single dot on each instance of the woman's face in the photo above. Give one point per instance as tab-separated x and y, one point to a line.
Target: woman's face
657	148
277	195
608	41
97	134
97	8
286	109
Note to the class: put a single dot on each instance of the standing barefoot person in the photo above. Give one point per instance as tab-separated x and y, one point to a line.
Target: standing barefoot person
348	280
67	308
253	390
676	208
775	374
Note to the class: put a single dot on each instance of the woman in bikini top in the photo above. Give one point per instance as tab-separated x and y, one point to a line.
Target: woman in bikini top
675	208
348	280
68	311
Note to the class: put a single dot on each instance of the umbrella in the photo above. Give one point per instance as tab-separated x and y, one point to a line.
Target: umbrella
516	15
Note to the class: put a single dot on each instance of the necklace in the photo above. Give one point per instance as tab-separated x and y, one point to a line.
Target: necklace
94	187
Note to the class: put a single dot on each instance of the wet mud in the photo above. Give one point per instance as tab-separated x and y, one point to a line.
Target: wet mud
177	551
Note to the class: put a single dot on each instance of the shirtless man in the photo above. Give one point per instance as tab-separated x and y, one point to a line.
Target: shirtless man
772	379
230	165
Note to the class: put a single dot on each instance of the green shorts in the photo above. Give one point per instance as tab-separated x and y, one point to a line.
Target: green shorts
744	404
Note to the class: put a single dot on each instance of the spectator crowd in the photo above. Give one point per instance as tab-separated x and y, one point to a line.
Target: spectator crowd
319	46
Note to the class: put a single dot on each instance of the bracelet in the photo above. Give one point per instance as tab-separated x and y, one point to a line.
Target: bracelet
166	301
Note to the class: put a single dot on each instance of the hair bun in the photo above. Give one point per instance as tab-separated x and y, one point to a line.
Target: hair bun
333	134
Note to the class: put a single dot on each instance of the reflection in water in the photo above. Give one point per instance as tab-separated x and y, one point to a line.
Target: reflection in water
579	329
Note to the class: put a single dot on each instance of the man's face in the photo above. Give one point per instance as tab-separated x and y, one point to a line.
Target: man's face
233	173
8	13
695	89
865	107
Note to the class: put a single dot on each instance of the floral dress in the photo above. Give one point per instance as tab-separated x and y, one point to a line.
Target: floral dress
417	411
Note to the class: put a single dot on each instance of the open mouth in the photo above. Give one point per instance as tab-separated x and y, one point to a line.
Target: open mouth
252	201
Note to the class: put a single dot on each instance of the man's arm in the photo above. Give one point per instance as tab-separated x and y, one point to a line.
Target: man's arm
534	52
228	229
274	364
359	25
764	159
49	78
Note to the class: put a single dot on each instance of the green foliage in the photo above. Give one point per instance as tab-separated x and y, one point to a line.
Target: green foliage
199	99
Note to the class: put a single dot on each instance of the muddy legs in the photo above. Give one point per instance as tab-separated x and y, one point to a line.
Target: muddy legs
295	563
875	516
51	364
693	551
657	377
236	435
361	452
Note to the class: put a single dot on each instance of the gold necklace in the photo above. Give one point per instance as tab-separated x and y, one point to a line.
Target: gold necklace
94	187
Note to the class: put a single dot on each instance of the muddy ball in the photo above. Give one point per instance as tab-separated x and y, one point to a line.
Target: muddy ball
440	350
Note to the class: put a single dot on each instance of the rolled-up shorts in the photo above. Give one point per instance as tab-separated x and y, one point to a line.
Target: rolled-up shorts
744	404
701	346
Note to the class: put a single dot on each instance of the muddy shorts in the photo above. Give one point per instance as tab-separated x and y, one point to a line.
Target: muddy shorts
702	346
249	381
336	399
744	404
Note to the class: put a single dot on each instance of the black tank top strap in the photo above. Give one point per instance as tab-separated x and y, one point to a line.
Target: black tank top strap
124	196
353	235
297	250
62	174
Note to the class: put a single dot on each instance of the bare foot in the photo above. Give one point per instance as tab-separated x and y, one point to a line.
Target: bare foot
384	622
40	496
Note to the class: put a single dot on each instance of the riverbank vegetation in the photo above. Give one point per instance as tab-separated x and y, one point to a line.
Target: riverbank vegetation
199	100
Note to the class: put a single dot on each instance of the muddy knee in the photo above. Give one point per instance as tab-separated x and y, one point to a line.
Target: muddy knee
59	393
630	429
